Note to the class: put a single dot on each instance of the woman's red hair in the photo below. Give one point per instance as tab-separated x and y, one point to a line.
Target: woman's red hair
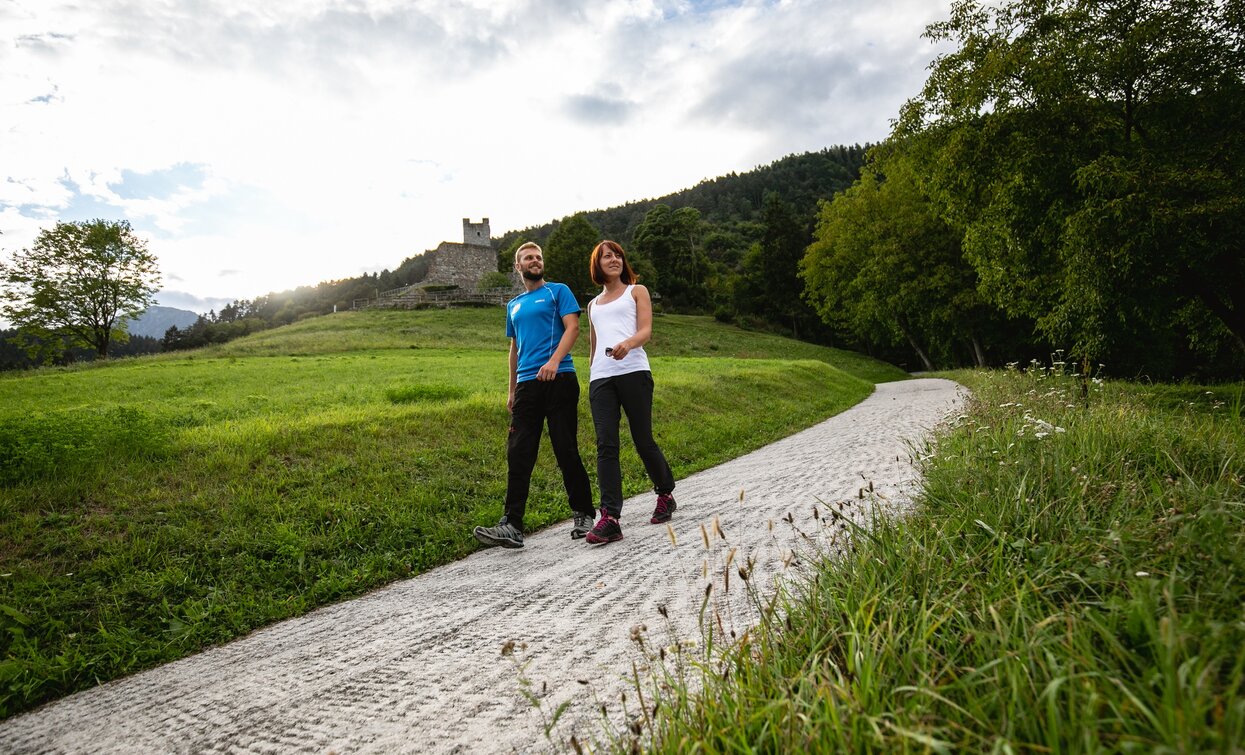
627	276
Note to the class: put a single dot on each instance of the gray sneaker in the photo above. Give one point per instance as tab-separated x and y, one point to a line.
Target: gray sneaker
504	534
583	525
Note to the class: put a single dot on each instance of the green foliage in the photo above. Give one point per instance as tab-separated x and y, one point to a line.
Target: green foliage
567	253
885	267
1090	151
670	239
78	285
1070	582
157	506
495	280
769	283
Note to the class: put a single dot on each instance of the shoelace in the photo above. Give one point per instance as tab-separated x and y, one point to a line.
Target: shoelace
663	504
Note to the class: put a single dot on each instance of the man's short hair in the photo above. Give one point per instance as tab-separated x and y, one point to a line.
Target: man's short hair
527	245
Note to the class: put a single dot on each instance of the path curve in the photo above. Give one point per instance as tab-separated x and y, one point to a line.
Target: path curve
417	666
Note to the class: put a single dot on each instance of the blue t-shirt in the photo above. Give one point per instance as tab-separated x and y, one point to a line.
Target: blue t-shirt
534	321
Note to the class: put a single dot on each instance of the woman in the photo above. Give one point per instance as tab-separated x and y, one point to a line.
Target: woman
621	322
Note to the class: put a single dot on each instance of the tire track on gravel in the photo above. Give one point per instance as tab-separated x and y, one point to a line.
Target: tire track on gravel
416	666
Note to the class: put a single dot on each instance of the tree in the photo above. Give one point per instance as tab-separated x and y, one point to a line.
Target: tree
671	240
886	268
769	284
79	284
567	253
1091	151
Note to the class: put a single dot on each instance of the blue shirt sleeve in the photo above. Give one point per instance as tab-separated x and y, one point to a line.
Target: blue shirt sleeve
567	304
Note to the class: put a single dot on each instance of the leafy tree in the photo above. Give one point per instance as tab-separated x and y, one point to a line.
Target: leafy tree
670	239
886	268
79	284
1092	152
567	253
769	283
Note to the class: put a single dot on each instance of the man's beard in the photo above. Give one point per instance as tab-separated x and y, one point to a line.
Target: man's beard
534	276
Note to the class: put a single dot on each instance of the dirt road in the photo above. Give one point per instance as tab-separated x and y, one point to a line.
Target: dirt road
418	666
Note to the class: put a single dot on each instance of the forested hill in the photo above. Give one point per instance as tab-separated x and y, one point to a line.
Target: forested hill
733	200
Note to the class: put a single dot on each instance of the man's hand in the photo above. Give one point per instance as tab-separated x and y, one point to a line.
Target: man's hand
549	371
510	403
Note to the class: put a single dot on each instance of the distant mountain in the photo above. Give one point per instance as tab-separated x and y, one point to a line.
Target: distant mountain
157	320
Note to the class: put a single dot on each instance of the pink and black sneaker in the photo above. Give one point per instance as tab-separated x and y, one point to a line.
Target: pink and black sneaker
665	509
606	531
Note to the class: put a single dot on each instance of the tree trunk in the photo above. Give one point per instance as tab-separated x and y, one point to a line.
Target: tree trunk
929	366
1231	314
978	353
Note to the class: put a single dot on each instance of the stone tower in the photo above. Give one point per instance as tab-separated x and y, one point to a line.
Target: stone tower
464	264
476	234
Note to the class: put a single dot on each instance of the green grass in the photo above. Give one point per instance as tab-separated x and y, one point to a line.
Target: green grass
155	506
480	328
1073	581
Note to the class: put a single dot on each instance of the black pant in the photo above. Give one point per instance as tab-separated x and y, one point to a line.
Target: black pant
633	393
535	402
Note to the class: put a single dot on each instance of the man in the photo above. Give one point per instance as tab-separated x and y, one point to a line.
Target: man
542	324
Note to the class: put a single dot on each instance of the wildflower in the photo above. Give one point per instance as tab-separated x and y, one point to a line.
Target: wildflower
1142	574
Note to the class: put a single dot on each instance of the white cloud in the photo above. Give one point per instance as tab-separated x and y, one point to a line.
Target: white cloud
328	137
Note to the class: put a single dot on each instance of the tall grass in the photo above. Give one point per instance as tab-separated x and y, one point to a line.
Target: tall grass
152	507
1072	581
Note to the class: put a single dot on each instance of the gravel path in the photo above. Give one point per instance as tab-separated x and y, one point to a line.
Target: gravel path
418	666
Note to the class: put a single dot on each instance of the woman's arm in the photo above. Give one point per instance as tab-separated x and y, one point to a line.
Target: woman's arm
592	336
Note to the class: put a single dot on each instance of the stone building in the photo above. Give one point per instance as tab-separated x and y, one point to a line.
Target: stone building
464	264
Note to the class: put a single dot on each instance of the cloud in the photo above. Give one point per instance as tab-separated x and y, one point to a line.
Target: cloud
295	141
598	110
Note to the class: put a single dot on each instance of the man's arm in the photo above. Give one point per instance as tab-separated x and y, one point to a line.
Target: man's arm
550	369
514	374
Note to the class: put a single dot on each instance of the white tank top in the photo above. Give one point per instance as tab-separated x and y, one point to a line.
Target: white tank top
614	322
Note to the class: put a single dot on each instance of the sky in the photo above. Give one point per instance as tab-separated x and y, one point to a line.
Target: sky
259	146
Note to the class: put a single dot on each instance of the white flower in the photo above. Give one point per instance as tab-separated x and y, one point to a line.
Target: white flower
1142	574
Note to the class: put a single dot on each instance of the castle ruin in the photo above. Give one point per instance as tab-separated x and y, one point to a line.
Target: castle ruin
464	264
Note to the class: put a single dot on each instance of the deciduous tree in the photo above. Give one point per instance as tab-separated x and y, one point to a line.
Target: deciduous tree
79	283
567	253
671	240
1092	151
886	268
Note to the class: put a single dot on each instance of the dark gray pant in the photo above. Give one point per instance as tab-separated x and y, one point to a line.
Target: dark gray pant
535	403
633	394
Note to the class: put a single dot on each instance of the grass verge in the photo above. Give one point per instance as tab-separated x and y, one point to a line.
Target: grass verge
1072	581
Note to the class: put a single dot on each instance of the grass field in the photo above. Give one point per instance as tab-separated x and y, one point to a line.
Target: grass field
152	507
1072	581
